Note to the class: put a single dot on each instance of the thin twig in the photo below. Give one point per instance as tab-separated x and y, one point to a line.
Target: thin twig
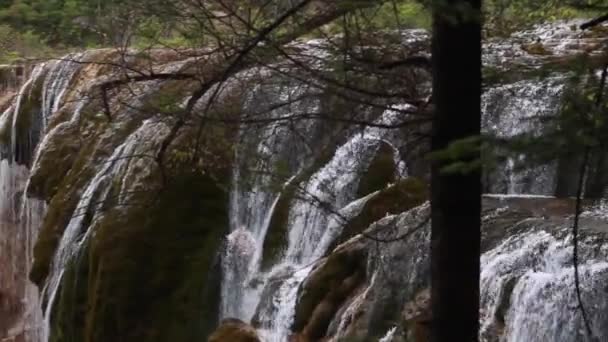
575	228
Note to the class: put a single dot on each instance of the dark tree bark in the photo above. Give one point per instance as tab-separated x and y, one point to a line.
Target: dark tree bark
567	174
455	197
596	179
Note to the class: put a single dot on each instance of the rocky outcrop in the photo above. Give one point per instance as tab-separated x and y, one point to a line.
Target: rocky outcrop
526	271
112	208
326	289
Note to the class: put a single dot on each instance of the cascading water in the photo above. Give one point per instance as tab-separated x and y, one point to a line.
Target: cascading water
514	109
20	216
253	200
528	291
322	204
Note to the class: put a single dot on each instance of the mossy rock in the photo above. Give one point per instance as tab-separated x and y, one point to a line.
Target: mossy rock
70	309
234	330
597	31
28	126
64	170
381	171
329	284
400	197
151	273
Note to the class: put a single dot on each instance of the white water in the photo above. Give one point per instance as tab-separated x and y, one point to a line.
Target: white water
252	203
389	335
540	304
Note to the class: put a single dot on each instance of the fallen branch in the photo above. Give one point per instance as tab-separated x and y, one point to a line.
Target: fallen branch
594	22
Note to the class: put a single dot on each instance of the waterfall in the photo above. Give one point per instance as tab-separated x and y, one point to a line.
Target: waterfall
52	88
20	219
253	199
526	279
57	82
315	219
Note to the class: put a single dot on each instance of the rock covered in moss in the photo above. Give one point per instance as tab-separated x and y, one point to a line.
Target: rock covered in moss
234	330
397	198
331	282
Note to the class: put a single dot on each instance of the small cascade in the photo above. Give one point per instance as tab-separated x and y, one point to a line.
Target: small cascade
528	292
329	190
20	220
57	82
389	335
528	289
254	198
241	246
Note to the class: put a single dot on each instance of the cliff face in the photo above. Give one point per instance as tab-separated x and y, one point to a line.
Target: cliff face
129	242
132	230
107	219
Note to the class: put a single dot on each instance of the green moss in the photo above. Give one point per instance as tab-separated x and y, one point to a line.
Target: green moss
330	284
61	188
64	171
70	305
150	272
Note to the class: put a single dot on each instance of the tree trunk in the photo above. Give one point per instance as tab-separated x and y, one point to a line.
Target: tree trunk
568	169
455	197
596	177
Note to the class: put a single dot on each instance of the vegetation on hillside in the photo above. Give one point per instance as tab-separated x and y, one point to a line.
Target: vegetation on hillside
39	28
